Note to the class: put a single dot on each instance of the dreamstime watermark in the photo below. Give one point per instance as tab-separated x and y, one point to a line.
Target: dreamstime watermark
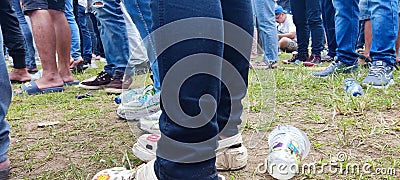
337	166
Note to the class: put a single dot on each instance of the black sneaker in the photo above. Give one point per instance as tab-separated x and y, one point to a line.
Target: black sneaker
295	59
101	80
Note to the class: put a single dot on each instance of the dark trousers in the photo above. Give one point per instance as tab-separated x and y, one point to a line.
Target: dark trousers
328	19
307	18
12	34
203	65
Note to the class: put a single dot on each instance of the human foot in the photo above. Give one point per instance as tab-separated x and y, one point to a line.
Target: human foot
19	76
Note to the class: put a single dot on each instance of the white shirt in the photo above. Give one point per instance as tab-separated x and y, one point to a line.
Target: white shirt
287	26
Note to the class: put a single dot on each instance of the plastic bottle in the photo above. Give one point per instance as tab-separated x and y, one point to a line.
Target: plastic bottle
131	94
352	87
288	146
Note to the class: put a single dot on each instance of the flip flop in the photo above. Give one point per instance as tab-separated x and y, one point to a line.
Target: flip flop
75	82
31	88
18	81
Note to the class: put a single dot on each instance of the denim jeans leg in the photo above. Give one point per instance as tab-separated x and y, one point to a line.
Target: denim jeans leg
76	40
113	33
140	12
267	28
26	31
90	25
384	21
346	23
138	53
230	106
328	16
5	94
302	28
314	21
187	155
86	39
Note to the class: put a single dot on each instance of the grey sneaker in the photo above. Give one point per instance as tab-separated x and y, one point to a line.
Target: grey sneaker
380	75
336	67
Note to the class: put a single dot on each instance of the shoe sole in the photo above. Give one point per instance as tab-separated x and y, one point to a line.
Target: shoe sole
114	91
89	87
391	82
146	128
142	153
135	114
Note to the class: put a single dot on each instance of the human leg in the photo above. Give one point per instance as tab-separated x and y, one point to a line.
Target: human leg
302	29
45	38
14	41
329	24
192	153
75	37
314	21
267	28
5	93
86	39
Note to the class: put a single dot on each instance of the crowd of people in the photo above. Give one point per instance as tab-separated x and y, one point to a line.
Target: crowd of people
199	55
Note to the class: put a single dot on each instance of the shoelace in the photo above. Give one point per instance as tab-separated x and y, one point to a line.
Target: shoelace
101	75
376	71
148	93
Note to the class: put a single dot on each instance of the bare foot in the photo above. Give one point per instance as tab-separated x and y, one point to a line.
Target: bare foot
49	80
20	75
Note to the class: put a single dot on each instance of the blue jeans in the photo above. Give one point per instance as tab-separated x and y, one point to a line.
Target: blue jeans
97	44
328	18
384	21
346	23
5	94
140	12
187	146
113	34
267	28
86	39
76	40
307	17
27	32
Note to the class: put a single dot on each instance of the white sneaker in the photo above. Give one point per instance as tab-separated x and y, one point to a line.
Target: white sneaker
143	172
231	153
146	104
150	123
146	146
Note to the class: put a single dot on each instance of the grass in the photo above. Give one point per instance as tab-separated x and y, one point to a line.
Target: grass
90	137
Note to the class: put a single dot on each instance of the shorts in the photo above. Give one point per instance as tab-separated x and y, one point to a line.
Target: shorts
365	12
30	5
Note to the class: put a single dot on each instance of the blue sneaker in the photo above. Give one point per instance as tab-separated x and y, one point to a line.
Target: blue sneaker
380	75
336	67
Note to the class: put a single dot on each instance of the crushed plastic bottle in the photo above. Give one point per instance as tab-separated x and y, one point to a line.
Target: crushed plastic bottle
288	146
352	87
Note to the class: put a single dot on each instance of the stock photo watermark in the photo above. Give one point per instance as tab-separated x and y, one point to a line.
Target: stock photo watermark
338	165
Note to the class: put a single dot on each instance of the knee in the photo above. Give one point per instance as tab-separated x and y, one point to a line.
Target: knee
283	43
